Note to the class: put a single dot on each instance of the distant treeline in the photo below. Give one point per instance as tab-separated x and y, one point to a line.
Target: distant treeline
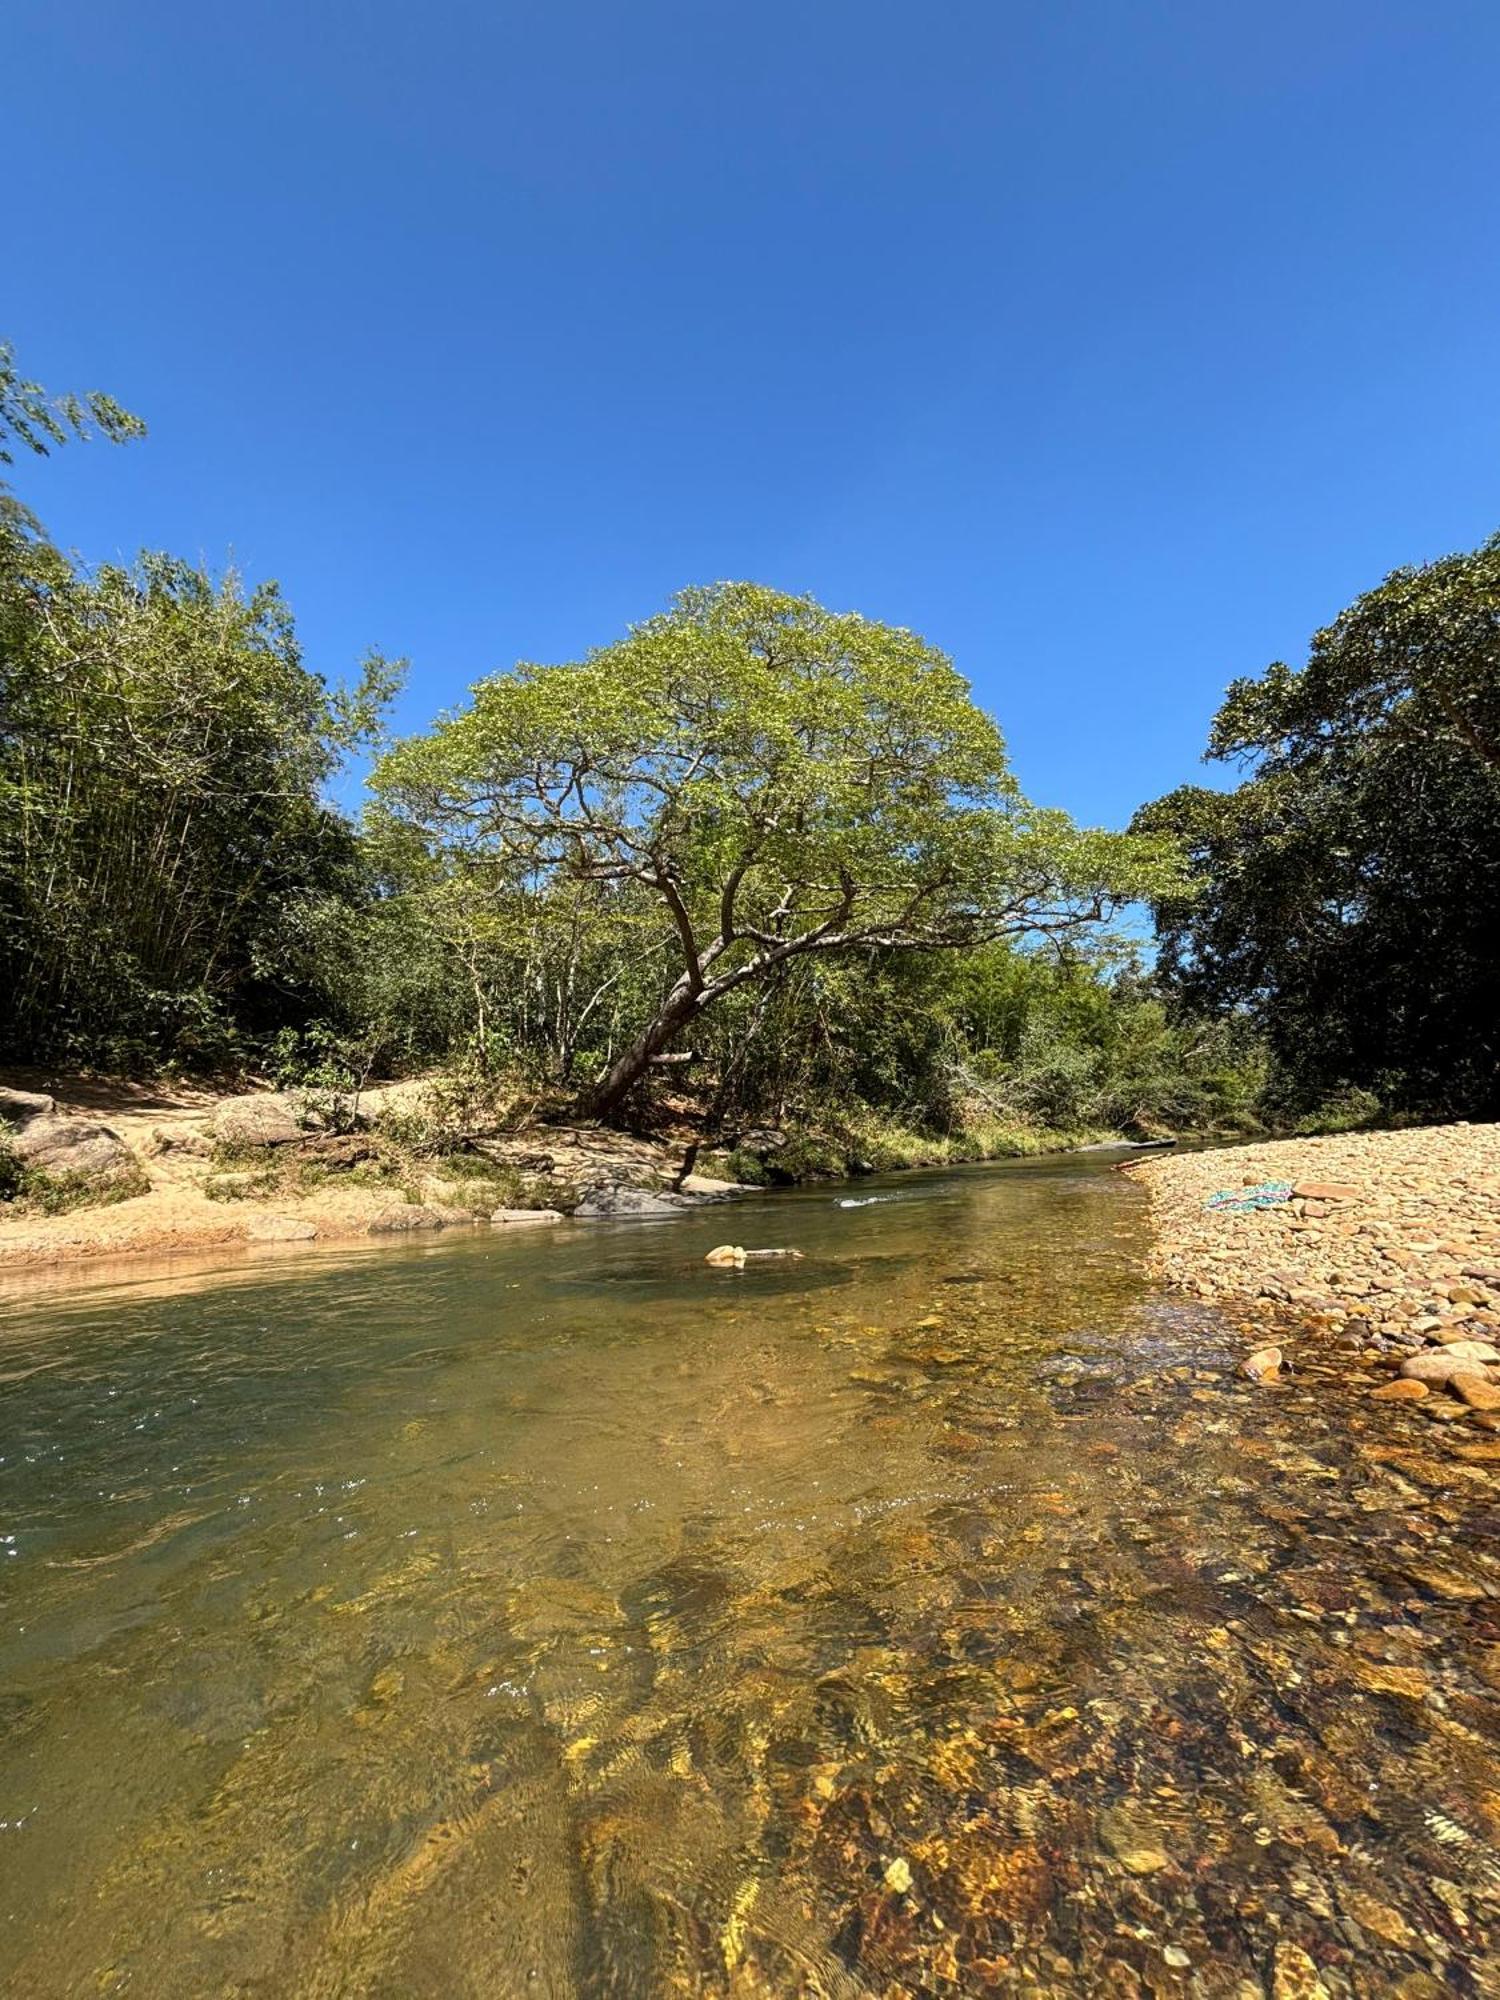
762	858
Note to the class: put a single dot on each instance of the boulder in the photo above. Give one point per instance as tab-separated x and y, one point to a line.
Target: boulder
263	1119
605	1203
524	1217
412	1215
279	1229
55	1144
19	1107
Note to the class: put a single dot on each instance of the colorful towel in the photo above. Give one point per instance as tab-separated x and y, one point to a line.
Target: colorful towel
1269	1194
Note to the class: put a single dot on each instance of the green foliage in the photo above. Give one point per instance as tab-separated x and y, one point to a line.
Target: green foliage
29	417
776	781
754	862
28	1190
163	752
1344	900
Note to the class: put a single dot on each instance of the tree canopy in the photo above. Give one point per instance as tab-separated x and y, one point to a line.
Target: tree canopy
1346	896
785	781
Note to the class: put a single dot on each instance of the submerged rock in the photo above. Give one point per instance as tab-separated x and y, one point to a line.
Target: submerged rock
1133	1843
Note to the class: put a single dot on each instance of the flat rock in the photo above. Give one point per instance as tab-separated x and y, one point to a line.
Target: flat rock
280	1229
1399	1391
1472	1350
604	1203
708	1189
1325	1191
1476	1392
525	1218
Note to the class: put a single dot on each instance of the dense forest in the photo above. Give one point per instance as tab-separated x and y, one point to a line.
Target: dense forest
753	862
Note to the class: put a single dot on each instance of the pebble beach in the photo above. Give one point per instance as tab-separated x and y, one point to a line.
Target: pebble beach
1379	1247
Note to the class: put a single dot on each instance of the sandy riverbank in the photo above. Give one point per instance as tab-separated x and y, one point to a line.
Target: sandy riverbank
1389	1249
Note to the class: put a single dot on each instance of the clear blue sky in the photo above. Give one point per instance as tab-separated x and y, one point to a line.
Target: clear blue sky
1112	346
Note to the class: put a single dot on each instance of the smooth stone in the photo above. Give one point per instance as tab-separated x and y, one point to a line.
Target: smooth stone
1442	1366
1261	1366
725	1255
1476	1392
524	1217
1399	1392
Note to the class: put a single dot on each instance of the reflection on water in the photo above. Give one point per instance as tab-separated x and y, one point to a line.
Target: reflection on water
563	1617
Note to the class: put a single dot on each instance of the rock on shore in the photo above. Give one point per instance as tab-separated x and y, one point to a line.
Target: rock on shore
1390	1244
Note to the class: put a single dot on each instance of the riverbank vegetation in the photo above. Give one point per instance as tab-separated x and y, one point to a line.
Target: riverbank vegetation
753	865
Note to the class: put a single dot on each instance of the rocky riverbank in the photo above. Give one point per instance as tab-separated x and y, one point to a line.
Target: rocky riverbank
1382	1248
152	1168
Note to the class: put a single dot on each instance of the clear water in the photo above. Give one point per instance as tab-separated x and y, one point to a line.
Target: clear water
556	1615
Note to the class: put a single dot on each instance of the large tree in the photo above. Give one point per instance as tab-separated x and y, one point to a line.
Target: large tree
1347	895
785	781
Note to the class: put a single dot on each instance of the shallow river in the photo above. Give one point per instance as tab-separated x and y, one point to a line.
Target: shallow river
556	1615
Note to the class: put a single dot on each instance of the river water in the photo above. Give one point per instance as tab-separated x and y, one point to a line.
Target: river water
553	1615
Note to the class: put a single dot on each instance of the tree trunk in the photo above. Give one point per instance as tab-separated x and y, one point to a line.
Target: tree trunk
627	1069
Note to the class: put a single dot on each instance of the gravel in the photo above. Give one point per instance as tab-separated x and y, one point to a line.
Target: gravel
1389	1247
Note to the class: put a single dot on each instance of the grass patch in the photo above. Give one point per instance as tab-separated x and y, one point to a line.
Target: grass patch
882	1146
28	1191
